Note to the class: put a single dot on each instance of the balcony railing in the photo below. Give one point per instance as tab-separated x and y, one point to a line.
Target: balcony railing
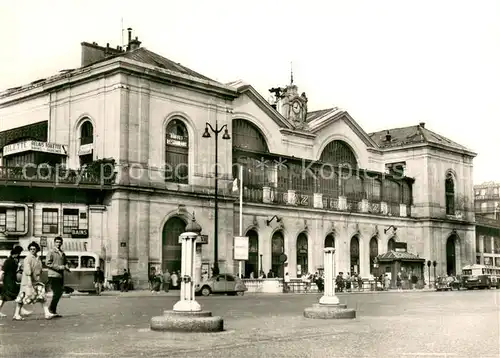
269	195
53	175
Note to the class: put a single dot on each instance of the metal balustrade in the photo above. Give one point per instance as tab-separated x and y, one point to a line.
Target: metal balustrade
54	175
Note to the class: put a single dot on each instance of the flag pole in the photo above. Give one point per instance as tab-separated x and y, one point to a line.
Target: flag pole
240	264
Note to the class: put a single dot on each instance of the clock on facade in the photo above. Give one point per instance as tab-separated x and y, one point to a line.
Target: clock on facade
296	107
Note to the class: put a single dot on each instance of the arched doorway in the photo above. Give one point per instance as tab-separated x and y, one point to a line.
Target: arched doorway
171	248
451	259
302	248
355	254
252	264
390	245
277	248
330	240
373	253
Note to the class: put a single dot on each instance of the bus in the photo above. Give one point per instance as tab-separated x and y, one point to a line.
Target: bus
82	265
480	276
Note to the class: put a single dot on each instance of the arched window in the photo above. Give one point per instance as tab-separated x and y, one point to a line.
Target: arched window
338	153
302	249
252	264
354	254
373	253
247	136
390	245
86	133
449	186
176	152
86	150
330	240
277	248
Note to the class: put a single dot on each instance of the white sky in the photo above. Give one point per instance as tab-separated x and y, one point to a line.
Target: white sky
388	63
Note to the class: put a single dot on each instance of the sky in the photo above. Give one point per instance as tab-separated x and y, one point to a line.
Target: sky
388	63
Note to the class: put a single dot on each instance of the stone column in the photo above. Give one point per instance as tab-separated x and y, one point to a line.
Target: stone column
329	297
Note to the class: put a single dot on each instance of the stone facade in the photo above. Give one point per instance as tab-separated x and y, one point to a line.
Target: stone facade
130	103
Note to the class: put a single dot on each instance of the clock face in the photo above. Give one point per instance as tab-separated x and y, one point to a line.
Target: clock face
296	107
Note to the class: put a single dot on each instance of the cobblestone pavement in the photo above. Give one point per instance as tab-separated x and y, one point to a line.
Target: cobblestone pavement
403	324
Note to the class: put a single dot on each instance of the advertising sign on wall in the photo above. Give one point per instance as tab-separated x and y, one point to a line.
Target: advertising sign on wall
241	248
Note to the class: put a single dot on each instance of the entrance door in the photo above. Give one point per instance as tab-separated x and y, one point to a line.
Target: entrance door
354	255
171	248
451	266
252	264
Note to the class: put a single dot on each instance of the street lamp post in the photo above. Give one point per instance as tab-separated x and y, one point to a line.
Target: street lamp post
429	269
225	136
434	263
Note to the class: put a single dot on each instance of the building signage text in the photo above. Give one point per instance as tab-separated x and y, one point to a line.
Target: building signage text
34	145
177	140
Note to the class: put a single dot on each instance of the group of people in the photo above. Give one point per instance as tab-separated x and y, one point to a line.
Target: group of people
165	281
22	283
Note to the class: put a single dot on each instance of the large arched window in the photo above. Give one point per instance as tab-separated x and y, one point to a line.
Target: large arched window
86	150
338	153
176	152
246	136
329	240
449	186
302	249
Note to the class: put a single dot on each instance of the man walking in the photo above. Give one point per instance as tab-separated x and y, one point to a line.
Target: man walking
56	264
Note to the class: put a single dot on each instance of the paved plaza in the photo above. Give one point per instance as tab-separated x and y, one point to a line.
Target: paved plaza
403	324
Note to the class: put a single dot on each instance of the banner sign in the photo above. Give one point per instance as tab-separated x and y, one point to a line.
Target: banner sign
241	248
34	145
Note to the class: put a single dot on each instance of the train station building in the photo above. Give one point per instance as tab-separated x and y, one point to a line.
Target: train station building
112	156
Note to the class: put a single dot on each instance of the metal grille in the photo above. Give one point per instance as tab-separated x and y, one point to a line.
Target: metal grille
248	136
407	195
372	189
373	252
339	152
353	188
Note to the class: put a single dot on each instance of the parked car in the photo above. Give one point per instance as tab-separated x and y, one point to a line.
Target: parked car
222	283
447	283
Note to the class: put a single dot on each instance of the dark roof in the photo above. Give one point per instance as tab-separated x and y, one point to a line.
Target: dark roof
397	255
317	114
145	56
412	135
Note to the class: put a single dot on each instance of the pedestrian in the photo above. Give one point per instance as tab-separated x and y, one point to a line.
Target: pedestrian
125	281
98	280
166	281
8	274
360	283
286	283
32	290
175	280
57	264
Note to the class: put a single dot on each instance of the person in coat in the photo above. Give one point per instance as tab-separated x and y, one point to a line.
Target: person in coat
32	290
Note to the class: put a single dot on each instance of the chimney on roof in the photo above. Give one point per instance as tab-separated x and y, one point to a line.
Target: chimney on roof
388	136
422	124
132	44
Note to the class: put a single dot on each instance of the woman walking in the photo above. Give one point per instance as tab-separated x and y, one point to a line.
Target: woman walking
32	290
10	288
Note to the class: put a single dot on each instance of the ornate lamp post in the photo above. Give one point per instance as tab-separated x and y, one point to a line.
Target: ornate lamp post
225	136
